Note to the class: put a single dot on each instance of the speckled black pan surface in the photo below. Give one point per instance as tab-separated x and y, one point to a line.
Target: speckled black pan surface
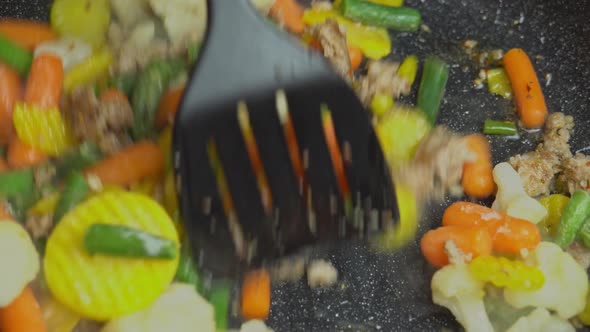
391	292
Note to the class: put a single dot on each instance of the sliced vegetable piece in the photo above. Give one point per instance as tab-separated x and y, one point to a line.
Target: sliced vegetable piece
409	68
505	273
478	180
530	102
57	317
494	127
43	129
150	86
15	56
22	155
356	57
256	295
102	282
76	159
576	212
405	230
16	182
219	297
71	51
584	233
44	84
45	205
381	104
187	271
124	82
289	13
10	91
474	241
555	205
432	87
75	191
86	19
3	165
392	3
168	106
26	33
498	83
89	70
123	241
130	165
370	13
23	314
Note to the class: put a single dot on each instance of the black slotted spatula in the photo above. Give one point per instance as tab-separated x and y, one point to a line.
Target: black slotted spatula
272	149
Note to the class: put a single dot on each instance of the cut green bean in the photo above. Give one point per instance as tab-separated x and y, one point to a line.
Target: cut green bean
494	127
370	13
15	56
432	87
576	212
75	191
16	182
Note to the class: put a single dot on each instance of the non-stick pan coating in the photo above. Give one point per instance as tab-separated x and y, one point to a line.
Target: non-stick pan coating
392	292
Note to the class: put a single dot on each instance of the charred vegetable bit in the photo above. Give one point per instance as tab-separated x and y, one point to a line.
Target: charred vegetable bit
432	87
494	127
123	241
370	13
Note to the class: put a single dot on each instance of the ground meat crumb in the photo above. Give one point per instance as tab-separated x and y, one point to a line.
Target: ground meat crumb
575	175
321	273
537	170
332	39
39	226
557	134
382	78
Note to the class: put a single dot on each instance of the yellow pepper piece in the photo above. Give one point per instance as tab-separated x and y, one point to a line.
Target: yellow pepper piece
584	316
503	272
408	68
374	42
57	317
102	287
45	205
380	104
391	3
44	129
405	230
498	83
88	71
555	204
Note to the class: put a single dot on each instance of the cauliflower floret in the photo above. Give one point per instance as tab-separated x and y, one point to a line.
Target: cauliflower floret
511	197
255	325
129	12
185	20
19	258
70	50
454	287
566	283
179	309
540	320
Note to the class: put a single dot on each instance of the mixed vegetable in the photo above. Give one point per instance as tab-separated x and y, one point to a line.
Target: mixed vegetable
88	206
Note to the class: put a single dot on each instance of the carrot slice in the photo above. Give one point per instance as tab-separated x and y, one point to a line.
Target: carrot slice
3	165
44	85
530	102
26	33
168	106
23	314
474	240
356	57
113	94
256	295
130	165
21	155
290	13
478	179
11	90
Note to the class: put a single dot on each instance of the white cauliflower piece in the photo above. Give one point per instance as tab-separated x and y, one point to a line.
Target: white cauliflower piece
566	283
70	50
185	20
321	273
540	320
19	259
454	287
180	309
511	197
129	12
255	325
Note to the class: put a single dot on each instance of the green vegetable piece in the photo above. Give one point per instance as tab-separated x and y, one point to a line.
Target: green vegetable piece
77	159
370	13
219	297
193	52
584	233
123	241
187	271
576	212
75	191
498	83
150	86
15	56
493	127
432	87
124	82
14	183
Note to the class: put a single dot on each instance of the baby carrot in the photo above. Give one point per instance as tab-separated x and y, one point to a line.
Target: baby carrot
3	165
10	91
26	33
130	165
256	295
474	240
290	13
478	179
44	85
509	235
23	314
530	102
21	155
356	57
168	106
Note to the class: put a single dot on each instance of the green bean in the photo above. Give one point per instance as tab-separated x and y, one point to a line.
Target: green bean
432	87
396	18
493	127
576	212
75	191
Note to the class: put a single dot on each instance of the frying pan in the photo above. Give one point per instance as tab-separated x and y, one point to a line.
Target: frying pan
391	292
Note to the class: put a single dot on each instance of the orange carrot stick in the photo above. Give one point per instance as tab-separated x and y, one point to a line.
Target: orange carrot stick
256	295
11	90
474	240
509	235
26	33
4	212
168	106
530	102
290	13
44	85
23	155
3	166
478	179
23	314
356	57
132	164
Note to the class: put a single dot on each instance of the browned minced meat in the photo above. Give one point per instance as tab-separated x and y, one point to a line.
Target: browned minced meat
575	174
333	42
39	226
437	166
580	254
104	122
557	134
381	78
